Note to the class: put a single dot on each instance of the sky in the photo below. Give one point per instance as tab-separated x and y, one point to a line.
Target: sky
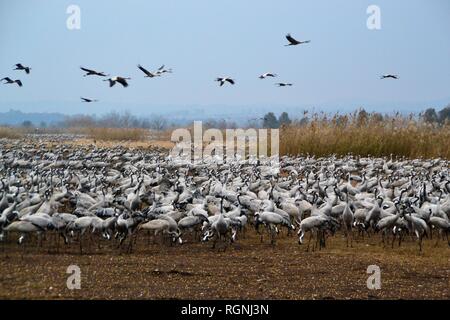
203	39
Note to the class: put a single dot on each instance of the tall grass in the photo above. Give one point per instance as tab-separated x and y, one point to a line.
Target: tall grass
116	134
10	133
366	134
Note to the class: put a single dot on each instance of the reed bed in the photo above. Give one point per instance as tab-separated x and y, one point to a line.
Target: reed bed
369	134
116	134
10	133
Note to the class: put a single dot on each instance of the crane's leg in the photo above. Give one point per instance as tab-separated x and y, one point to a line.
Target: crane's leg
437	240
81	242
309	241
393	239
351	237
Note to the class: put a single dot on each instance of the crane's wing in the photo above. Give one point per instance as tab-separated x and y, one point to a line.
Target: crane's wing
144	70
6	79
87	70
160	68
19	65
18	82
230	81
122	81
291	39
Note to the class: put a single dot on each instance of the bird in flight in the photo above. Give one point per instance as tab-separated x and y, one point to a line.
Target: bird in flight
387	76
283	84
87	100
223	80
149	74
294	42
121	80
8	80
162	70
90	72
20	66
268	74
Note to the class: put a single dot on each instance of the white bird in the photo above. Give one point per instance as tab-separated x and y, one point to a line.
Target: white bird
162	70
121	80
148	74
268	74
224	79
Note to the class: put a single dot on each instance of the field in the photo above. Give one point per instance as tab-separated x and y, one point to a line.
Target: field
247	270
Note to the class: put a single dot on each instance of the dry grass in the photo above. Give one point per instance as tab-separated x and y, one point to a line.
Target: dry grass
369	135
144	144
10	133
117	134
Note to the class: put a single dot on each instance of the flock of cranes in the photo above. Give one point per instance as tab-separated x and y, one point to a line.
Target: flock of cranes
114	195
85	195
162	70
18	66
121	80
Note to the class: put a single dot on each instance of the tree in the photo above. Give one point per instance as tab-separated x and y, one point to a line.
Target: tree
27	124
304	121
158	123
284	119
270	121
444	114
430	115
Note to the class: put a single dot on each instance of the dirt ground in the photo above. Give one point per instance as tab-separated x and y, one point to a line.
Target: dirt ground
248	269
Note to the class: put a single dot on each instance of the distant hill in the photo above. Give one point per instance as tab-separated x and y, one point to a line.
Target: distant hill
15	117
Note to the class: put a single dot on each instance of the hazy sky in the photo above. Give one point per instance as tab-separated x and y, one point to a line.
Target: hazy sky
203	39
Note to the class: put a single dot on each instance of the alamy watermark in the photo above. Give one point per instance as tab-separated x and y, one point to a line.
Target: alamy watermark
73	21
374	20
74	280
226	145
374	280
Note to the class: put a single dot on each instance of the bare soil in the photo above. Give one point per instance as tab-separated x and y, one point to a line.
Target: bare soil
248	269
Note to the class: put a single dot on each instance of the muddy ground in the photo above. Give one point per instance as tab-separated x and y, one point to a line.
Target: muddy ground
248	269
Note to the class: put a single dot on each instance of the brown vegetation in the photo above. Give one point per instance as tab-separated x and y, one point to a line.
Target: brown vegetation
364	134
117	134
10	133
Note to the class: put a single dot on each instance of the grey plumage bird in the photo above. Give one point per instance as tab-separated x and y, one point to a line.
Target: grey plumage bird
389	76
20	66
294	42
121	80
8	80
90	72
225	79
